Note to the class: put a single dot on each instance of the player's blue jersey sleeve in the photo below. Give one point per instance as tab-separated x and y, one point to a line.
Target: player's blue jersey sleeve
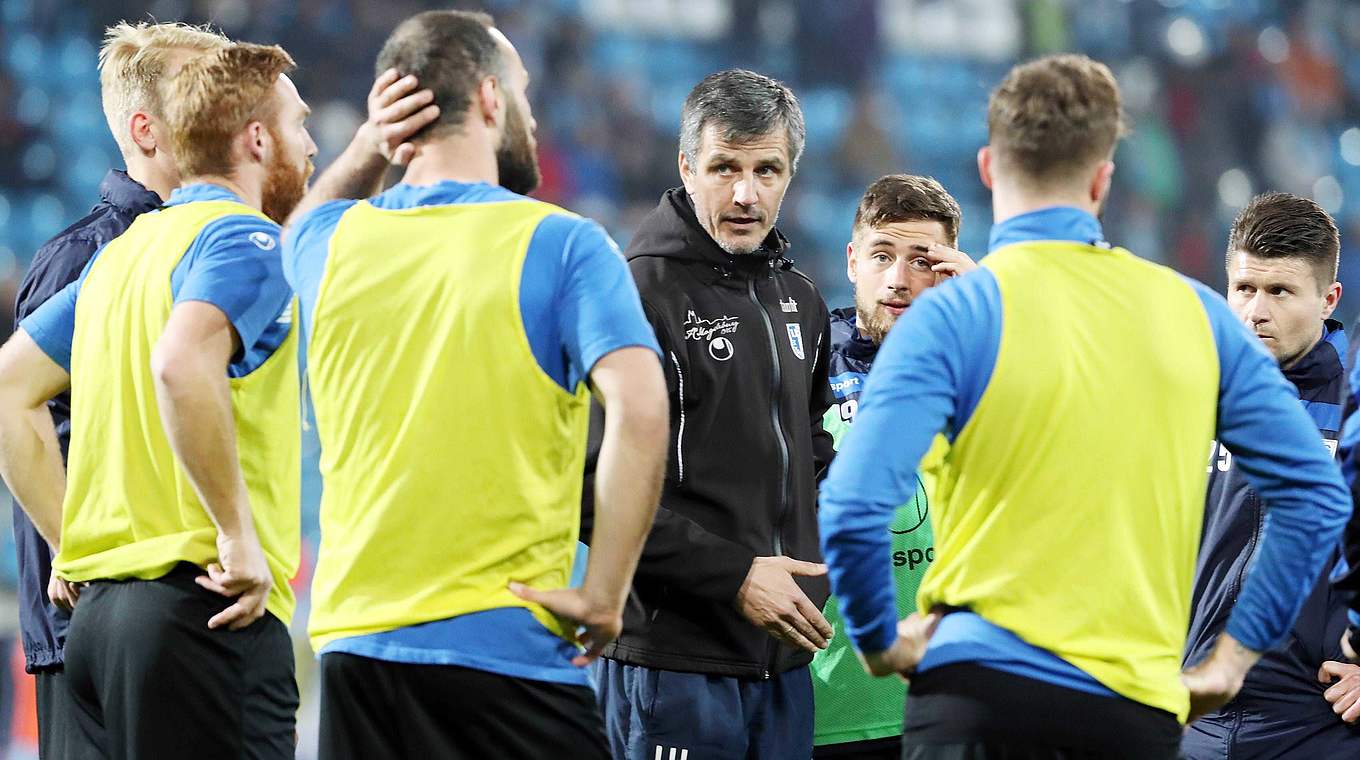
600	309
1275	444
236	265
578	300
53	324
306	244
927	378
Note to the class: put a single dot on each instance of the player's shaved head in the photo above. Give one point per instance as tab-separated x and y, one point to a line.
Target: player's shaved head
450	53
1053	119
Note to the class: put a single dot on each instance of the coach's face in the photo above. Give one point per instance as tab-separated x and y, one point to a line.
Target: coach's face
737	187
1282	300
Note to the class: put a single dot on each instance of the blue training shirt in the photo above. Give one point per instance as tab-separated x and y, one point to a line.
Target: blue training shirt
577	303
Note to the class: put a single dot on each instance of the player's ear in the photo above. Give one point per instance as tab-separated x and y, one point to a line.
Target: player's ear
488	100
139	128
1100	183
850	267
984	162
257	141
1331	299
686	172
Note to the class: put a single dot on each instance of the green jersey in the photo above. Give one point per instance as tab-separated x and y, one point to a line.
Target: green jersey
851	705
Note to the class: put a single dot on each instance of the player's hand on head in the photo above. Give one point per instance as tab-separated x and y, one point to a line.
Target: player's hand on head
949	262
241	573
63	593
771	600
599	623
1344	692
396	111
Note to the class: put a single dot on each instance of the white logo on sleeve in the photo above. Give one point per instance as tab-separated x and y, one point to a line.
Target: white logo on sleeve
263	240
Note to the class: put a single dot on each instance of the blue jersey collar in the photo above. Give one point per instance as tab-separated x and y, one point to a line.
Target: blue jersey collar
442	193
1053	223
201	191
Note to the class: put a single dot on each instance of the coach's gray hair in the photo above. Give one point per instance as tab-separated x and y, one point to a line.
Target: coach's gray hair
745	106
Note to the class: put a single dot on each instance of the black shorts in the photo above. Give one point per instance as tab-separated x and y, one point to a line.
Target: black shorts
150	680
971	712
372	708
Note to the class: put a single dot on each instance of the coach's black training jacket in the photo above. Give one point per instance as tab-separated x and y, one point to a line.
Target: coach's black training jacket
1280	711
745	345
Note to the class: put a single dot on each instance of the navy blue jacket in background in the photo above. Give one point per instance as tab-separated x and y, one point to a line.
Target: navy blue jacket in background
1280	711
851	356
1346	579
58	262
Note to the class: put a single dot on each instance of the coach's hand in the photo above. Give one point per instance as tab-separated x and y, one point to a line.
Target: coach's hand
600	622
396	111
241	572
913	635
1344	695
1218	678
1347	644
771	599
63	593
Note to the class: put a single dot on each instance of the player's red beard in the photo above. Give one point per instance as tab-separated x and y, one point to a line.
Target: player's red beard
284	185
517	156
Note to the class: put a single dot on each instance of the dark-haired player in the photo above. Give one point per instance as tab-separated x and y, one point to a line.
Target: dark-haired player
453	437
1282	260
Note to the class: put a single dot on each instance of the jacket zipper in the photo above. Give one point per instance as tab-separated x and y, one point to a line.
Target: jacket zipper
1251	546
680	433
772	647
1237	590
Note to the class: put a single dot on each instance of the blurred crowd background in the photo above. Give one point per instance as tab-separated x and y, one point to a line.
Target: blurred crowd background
1227	99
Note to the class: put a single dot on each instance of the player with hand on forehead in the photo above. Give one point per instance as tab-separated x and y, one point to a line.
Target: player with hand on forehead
902	244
